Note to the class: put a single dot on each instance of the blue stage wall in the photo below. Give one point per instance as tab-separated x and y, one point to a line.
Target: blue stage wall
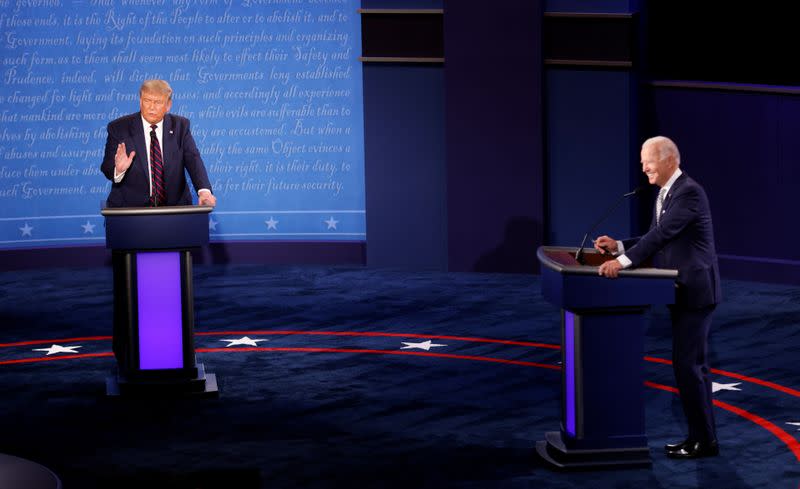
493	87
466	142
590	163
402	4
593	6
273	92
405	166
405	158
743	147
738	140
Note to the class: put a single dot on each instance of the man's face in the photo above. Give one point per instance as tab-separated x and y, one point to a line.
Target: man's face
658	170
154	106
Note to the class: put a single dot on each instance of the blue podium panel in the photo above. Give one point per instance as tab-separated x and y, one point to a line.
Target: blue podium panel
602	415
603	377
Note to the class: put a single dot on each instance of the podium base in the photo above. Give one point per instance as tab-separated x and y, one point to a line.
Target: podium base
201	385
553	451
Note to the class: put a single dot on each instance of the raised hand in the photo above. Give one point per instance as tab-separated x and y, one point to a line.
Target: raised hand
122	160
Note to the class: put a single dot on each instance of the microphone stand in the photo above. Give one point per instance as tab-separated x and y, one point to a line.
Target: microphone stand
579	253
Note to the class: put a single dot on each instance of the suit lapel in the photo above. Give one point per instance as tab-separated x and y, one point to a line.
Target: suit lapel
168	146
668	198
137	133
675	187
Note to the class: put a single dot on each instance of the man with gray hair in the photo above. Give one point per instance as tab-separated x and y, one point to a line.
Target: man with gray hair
681	236
148	153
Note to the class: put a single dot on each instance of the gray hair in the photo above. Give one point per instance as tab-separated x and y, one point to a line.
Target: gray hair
666	148
158	86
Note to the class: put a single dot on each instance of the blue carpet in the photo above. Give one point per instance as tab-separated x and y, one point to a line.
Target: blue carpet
291	413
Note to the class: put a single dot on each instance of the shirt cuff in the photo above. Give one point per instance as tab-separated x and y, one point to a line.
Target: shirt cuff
624	261
203	190
118	177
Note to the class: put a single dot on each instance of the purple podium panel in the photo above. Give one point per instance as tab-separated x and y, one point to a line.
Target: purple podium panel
160	310
568	364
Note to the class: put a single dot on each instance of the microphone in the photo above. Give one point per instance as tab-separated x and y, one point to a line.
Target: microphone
579	253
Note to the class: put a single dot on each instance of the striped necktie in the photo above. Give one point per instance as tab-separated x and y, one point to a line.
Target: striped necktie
158	196
660	203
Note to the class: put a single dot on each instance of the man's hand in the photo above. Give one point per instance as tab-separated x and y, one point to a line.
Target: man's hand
605	244
610	269
206	198
122	160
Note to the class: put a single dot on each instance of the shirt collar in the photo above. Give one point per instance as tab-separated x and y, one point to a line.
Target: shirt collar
147	124
671	180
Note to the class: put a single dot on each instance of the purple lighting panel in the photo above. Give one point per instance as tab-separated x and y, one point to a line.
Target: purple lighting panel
569	370
158	278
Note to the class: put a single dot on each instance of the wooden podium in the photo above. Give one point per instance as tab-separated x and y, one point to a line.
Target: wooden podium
602	345
154	300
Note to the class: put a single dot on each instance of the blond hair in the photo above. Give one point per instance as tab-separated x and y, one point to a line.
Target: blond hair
158	86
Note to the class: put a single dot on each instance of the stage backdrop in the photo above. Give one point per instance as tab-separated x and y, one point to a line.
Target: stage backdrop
272	87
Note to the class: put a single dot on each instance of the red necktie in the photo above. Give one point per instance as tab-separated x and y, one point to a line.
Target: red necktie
159	194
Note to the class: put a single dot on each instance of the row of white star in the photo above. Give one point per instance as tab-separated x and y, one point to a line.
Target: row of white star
27	230
422	345
246	340
272	223
243	341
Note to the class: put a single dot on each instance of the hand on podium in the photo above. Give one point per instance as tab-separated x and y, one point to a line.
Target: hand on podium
206	198
610	269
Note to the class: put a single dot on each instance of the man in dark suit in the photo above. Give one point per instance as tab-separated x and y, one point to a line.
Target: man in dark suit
146	158
148	154
681	237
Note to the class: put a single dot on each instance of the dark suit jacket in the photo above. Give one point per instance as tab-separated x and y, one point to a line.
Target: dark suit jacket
180	155
683	240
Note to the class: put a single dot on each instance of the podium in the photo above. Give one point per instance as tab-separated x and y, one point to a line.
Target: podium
154	301
602	345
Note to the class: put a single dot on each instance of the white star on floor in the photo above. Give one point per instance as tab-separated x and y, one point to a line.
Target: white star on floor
272	223
212	224
58	349
795	424
26	231
424	345
331	223
88	228
244	340
724	387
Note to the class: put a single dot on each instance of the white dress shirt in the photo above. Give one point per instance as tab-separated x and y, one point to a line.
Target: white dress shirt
160	135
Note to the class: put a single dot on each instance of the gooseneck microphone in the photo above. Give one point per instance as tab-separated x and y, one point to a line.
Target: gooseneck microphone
579	253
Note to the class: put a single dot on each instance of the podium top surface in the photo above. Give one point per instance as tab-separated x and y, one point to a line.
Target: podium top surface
157	228
561	259
156	211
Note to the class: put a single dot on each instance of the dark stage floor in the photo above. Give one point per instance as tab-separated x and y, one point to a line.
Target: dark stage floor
352	377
